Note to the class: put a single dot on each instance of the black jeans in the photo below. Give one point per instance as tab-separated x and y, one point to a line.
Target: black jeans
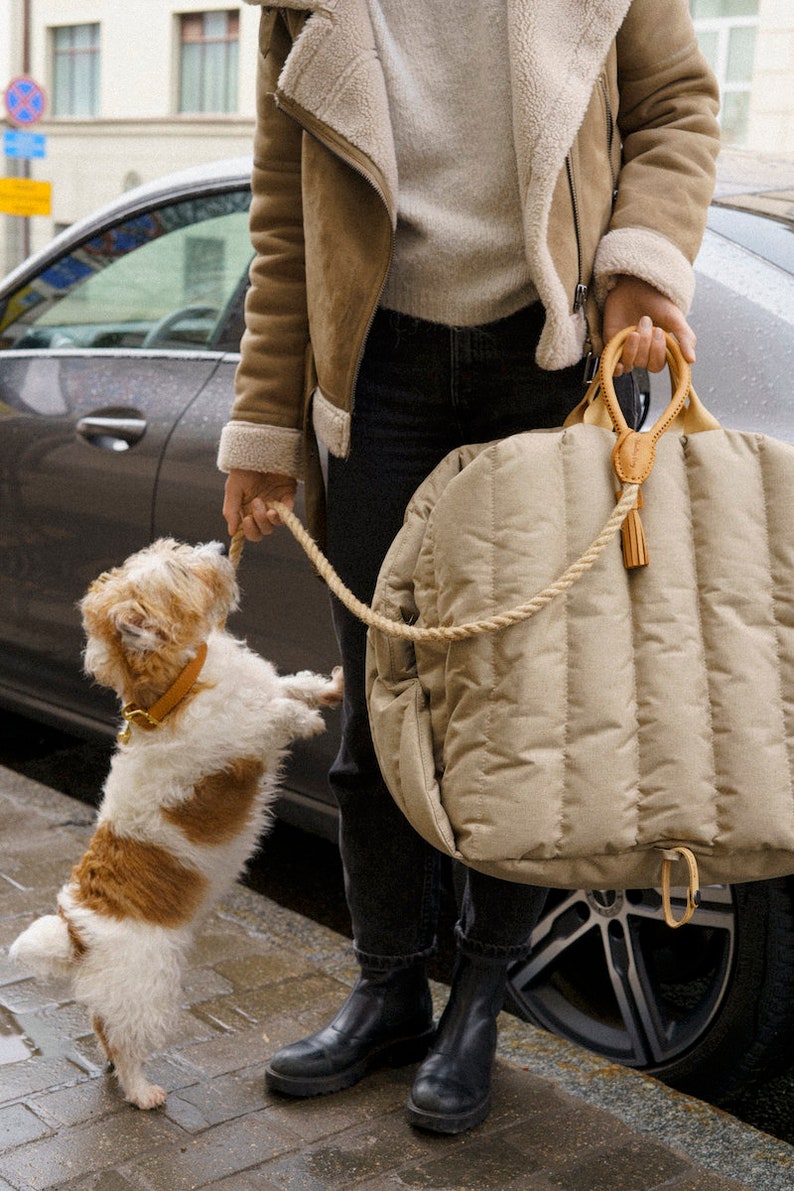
423	389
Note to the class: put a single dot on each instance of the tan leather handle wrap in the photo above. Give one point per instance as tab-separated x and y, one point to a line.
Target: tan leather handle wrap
635	451
592	409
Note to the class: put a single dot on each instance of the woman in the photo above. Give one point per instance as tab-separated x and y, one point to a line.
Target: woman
453	205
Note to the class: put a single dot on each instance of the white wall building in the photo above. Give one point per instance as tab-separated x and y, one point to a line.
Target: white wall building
133	92
137	90
750	45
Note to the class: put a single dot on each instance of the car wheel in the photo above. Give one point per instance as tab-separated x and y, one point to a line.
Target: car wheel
706	1008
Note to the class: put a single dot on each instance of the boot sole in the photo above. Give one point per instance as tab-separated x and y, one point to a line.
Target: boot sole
437	1122
395	1054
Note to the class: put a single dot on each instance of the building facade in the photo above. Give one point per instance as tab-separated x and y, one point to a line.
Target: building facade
135	91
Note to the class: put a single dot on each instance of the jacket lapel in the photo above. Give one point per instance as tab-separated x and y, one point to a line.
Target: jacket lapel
557	49
334	73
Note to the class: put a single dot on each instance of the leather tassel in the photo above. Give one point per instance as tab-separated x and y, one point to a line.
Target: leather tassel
635	547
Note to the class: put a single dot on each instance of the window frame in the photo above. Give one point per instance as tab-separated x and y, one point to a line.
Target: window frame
230	84
723	26
90	54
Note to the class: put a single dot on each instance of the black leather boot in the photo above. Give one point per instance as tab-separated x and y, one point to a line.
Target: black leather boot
388	1018
452	1091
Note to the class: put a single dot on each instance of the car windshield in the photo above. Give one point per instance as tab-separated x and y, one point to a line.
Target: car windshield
162	278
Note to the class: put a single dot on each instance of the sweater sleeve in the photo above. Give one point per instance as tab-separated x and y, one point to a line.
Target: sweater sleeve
264	432
667	120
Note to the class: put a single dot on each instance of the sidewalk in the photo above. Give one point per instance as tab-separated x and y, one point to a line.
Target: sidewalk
262	976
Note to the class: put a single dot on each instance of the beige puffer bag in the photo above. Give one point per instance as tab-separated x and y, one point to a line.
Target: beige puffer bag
637	723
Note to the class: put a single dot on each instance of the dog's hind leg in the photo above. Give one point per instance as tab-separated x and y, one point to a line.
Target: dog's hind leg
128	1066
126	1060
129	981
98	1026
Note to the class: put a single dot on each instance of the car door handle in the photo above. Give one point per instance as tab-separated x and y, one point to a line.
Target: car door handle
111	434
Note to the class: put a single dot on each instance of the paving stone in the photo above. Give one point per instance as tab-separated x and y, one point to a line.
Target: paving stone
18	1080
28	995
218	1152
639	1165
222	1099
257	1004
19	1125
248	1181
107	1180
266	967
94	1147
214	945
201	984
345	1159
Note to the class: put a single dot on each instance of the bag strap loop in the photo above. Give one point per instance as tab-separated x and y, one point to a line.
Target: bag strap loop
669	857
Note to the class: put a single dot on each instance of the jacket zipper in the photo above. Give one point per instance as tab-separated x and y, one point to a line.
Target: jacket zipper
610	121
580	293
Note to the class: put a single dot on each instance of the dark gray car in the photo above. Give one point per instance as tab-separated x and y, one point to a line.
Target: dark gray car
118	345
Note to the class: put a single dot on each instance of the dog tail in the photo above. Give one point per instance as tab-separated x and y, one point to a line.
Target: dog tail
48	947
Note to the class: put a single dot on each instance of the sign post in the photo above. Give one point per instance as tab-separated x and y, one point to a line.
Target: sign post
25	103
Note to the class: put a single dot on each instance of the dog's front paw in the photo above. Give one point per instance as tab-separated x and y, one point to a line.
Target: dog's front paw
333	692
149	1095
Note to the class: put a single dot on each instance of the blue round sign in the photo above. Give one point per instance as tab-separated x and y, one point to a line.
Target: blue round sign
25	101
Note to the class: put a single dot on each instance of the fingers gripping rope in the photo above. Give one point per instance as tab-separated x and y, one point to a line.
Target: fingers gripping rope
460	632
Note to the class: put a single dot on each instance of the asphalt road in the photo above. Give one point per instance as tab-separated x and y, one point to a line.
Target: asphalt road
301	872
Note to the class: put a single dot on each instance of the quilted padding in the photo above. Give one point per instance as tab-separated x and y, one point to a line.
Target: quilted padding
642	708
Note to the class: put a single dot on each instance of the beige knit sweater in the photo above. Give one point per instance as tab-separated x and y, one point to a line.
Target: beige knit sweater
459	253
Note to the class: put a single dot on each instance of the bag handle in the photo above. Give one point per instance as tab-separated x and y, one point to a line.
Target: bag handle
634	453
593	409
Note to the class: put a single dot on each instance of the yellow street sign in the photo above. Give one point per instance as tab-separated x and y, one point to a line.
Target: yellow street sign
23	196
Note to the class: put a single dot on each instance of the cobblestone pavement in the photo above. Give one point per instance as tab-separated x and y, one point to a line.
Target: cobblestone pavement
261	976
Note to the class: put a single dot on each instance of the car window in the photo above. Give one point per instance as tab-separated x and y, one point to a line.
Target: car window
164	278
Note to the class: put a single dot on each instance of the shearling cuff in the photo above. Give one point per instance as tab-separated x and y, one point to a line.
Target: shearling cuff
645	254
263	448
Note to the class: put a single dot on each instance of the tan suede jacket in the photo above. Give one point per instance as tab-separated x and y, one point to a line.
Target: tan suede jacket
616	137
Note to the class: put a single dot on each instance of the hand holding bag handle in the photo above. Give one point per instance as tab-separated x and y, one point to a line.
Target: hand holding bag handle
635	451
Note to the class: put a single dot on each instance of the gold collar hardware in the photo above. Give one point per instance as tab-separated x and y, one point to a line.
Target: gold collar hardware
152	717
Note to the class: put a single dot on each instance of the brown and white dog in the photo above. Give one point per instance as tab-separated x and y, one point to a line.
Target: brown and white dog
186	798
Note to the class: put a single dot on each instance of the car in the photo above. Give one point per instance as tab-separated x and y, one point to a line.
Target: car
118	346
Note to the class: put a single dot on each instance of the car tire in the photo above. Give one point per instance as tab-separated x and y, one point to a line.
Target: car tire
706	1008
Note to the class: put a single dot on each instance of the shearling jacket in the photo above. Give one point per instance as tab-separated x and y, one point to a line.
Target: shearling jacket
616	138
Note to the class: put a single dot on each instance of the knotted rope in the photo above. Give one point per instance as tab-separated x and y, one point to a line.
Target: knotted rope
452	632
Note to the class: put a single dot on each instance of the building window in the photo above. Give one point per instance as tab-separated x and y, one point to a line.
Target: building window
726	31
75	70
208	62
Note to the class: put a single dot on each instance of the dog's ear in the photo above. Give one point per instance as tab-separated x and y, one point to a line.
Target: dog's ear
138	633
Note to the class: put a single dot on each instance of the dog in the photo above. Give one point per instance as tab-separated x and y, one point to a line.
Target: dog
187	797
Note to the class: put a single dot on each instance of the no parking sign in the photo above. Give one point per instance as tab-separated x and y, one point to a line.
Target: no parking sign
25	101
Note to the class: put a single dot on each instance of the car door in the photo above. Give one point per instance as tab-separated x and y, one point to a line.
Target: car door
109	344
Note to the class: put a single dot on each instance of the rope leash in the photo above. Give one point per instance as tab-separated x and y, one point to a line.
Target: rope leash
459	632
394	628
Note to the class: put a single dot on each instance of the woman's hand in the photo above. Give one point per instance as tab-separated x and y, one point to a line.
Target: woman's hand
632	302
246	497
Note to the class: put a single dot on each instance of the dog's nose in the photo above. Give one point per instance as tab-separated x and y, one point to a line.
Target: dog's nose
223	549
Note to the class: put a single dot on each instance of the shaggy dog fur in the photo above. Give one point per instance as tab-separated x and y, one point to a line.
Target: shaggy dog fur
184	803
